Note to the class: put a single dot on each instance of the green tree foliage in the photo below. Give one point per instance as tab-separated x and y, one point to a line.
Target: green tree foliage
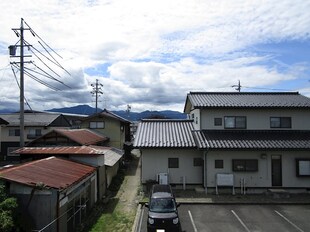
7	208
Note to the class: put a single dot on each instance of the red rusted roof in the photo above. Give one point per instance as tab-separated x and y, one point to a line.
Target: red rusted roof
69	150
82	136
52	172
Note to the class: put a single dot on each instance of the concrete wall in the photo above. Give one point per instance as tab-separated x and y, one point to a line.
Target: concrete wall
43	207
155	161
111	172
261	178
33	208
257	119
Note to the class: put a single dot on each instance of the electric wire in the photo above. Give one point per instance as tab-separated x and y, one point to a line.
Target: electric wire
36	35
26	101
37	79
50	76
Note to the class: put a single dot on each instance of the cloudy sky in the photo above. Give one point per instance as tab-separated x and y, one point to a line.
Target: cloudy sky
151	53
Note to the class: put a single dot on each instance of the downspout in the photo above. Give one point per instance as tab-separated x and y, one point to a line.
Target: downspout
205	183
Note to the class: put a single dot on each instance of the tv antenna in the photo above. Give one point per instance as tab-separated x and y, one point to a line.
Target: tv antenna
237	87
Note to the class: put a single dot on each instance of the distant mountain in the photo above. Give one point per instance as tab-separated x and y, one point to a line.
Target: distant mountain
132	116
80	109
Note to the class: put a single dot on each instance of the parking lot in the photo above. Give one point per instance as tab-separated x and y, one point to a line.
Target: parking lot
248	218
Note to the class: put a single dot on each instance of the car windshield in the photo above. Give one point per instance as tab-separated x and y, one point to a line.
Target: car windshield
162	205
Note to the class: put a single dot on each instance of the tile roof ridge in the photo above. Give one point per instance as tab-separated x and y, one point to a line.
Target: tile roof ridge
166	120
245	93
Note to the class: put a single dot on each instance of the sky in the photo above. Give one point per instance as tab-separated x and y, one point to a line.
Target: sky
150	53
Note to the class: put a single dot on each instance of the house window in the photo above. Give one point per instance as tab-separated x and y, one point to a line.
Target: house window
96	125
245	165
219	163
280	122
173	162
218	122
34	133
302	167
235	122
14	132
198	162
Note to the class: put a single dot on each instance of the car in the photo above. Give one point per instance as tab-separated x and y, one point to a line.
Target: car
163	212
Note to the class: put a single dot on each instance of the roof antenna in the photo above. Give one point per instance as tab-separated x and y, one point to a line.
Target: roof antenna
237	87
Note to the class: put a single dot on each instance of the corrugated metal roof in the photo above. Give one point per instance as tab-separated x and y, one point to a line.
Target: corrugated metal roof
111	154
249	139
165	133
82	136
52	172
247	100
66	150
31	119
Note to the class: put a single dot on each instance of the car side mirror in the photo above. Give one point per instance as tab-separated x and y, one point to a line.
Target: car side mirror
146	205
178	205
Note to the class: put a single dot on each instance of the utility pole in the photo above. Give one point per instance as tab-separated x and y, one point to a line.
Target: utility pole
97	91
21	66
21	99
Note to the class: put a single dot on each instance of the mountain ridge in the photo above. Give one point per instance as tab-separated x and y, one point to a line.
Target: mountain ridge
131	116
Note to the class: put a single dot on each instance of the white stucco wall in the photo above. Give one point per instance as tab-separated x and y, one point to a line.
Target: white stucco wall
261	178
155	161
258	119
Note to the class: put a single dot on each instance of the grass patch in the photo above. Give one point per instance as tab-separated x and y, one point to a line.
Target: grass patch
113	221
109	217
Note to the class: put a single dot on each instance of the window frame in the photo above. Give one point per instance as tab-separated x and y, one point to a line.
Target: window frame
281	122
298	160
218	121
96	125
14	132
173	162
218	164
235	122
246	165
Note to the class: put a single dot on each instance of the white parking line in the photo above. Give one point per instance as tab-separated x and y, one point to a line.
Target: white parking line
286	219
192	221
242	223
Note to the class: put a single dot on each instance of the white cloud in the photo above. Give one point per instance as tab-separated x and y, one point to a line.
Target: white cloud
158	50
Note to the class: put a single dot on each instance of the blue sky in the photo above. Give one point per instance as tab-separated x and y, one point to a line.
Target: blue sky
150	54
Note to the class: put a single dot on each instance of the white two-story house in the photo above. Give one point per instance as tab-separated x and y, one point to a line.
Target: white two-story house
261	140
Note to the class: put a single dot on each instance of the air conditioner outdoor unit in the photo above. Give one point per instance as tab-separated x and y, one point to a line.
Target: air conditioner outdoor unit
162	178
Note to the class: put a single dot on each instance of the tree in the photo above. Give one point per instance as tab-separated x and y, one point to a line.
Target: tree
7	209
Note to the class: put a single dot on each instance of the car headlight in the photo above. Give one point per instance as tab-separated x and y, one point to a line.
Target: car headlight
175	221
151	221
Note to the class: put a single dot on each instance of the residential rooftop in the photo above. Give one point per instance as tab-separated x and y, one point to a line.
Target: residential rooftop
153	133
199	100
51	172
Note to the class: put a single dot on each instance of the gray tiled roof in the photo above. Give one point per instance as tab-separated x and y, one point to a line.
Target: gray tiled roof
250	139
165	134
248	100
30	119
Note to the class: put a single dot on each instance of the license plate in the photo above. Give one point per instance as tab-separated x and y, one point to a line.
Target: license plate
160	230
